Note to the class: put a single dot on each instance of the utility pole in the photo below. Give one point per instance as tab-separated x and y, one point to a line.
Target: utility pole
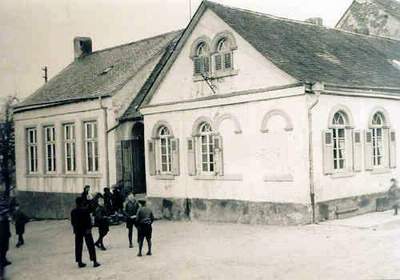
44	69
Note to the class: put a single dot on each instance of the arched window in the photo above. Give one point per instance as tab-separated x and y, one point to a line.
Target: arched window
377	139
202	59
223	57
207	148
165	150
339	122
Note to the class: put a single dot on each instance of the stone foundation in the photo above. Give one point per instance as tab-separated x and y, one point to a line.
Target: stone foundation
232	211
326	210
46	205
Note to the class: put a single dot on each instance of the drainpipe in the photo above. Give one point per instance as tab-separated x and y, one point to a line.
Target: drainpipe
315	89
105	140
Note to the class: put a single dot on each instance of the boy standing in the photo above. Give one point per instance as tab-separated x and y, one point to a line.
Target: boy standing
20	220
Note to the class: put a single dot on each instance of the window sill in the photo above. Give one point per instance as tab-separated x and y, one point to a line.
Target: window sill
217	75
344	174
63	175
232	177
278	178
164	177
380	171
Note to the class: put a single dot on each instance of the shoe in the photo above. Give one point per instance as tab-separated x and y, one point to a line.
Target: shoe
18	245
81	264
103	248
7	262
148	253
96	264
130	246
139	255
97	245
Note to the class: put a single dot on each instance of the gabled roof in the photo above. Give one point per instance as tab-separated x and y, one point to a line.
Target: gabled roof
306	51
101	73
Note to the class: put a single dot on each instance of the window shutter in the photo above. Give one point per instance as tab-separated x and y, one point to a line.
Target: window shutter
218	62
228	61
328	151
357	150
206	64
392	149
152	157
175	156
386	147
219	160
197	62
191	156
368	150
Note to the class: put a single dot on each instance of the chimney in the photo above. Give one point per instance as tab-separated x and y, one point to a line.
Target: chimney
82	46
315	20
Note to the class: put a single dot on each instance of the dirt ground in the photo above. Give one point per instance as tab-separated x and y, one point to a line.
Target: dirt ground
364	247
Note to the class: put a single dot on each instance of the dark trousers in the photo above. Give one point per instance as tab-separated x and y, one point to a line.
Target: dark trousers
3	252
21	238
102	234
79	246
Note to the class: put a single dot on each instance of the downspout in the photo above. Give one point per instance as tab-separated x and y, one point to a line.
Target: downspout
315	89
105	140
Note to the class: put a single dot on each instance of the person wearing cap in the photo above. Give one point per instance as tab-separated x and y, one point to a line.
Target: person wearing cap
131	207
5	232
394	195
82	225
144	220
85	195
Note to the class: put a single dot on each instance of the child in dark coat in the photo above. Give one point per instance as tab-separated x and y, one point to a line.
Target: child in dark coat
20	221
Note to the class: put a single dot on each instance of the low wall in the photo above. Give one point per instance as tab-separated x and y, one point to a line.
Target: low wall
326	210
46	205
233	211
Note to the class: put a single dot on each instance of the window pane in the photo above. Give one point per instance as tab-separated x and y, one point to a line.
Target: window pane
204	165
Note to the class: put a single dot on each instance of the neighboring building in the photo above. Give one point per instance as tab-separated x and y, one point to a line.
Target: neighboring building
69	132
372	17
246	117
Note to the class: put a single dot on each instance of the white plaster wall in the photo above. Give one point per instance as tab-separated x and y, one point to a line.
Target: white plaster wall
57	115
247	155
356	183
254	70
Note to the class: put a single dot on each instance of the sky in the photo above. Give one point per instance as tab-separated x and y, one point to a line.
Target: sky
35	33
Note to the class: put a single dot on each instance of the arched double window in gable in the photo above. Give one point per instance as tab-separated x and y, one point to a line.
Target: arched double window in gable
223	46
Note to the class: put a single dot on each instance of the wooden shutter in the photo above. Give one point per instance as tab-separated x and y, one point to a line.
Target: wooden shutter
175	156
349	162
228	61
219	160
191	156
152	157
386	147
368	149
357	150
218	62
197	64
327	141
392	149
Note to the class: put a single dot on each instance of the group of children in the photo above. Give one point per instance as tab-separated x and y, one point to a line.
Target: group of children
96	211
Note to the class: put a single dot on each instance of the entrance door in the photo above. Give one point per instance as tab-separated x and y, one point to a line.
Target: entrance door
133	161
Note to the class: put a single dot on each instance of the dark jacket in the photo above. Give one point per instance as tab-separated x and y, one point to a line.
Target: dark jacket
20	220
81	221
144	216
101	218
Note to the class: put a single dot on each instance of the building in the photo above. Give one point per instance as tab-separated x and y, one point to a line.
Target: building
246	118
374	17
71	131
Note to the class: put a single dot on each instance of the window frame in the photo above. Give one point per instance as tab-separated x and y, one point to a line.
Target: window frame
209	137
69	144
378	141
168	150
50	156
202	59
91	145
32	146
221	52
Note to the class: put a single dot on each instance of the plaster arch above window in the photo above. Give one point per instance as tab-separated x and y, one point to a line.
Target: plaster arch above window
198	122
231	117
384	114
223	35
203	39
276	112
156	127
346	112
